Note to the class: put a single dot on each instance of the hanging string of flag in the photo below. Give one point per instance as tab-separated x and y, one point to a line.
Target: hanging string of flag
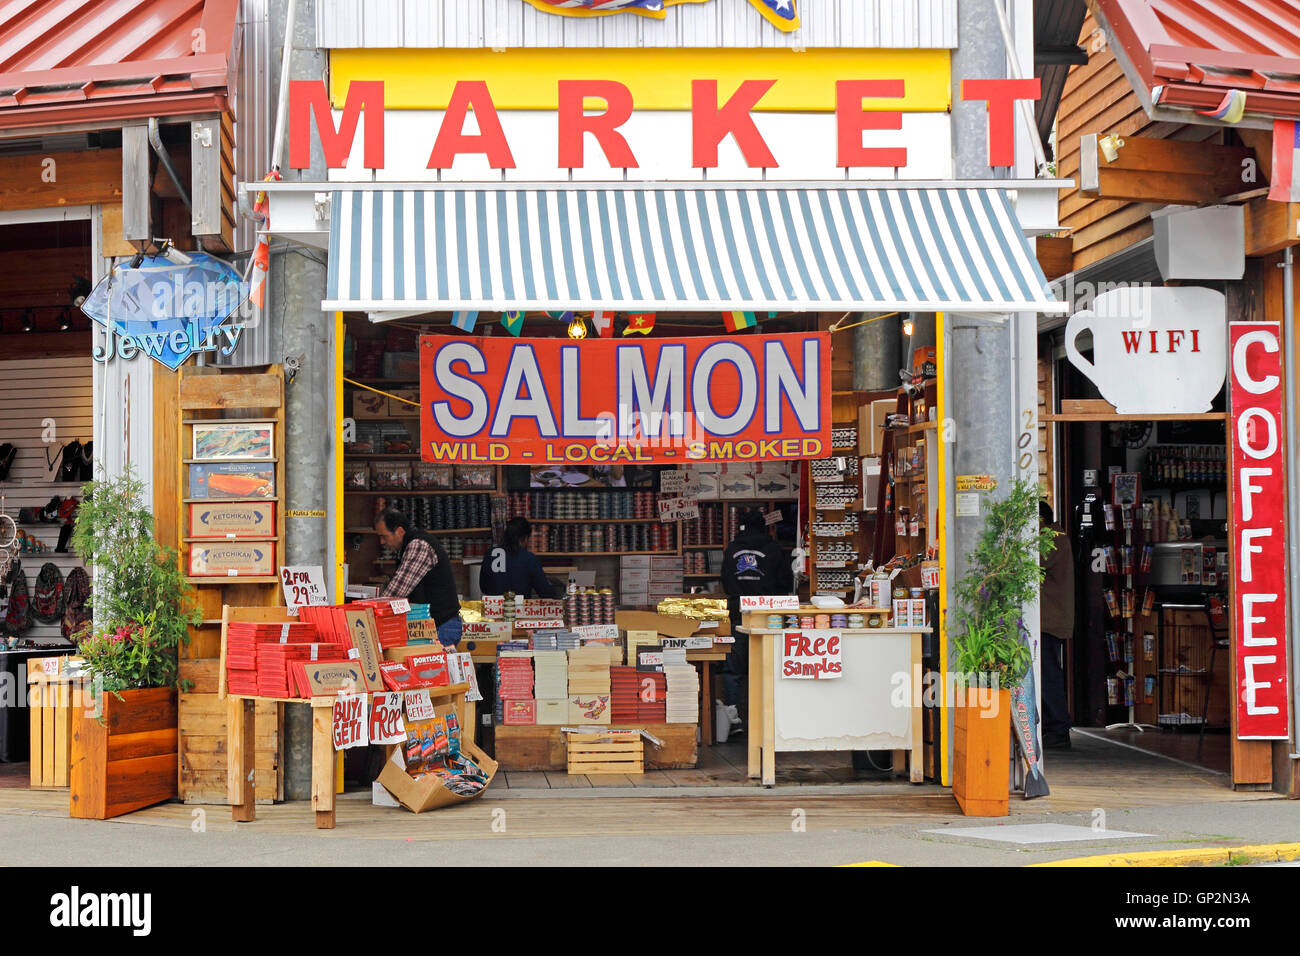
602	322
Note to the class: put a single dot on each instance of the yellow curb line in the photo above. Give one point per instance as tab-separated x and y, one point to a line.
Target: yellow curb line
1259	853
869	863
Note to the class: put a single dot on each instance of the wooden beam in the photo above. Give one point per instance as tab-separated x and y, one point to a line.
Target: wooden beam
1271	226
135	205
42	180
1055	255
1162	170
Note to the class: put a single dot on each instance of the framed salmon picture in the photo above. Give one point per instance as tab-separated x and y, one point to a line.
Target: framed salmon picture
247	480
227	441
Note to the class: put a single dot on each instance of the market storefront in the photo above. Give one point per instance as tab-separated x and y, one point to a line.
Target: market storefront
633	365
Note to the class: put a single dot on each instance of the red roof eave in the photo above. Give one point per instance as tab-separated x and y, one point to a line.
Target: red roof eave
88	61
111	112
1185	96
1197	76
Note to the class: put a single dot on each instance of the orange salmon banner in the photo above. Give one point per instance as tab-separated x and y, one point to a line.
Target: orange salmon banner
594	401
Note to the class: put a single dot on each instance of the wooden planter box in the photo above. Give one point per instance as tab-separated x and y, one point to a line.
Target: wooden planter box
982	756
128	760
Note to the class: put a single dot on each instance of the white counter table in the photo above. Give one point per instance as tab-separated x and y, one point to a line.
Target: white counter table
874	705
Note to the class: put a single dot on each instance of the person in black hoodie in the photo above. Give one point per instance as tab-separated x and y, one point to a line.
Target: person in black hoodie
513	567
752	564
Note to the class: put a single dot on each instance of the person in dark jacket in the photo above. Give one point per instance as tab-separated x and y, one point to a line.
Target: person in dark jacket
752	564
512	567
423	573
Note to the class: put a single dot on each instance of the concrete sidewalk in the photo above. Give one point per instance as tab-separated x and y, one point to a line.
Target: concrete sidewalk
1108	803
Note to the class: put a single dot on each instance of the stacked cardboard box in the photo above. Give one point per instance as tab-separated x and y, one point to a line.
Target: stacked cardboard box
652	702
665	577
550	639
589	685
515	687
551	685
243	639
683	690
625	689
391	625
634	580
273	664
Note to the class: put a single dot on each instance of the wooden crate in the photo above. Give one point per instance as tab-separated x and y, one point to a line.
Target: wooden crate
533	747
607	752
50	704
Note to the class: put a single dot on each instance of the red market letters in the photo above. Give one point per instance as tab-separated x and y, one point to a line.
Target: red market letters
710	123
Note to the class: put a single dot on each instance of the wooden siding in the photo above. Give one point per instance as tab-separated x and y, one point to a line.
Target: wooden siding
1099	99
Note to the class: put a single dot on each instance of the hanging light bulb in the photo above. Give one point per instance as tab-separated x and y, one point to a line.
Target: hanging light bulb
65	321
577	328
907	326
28	320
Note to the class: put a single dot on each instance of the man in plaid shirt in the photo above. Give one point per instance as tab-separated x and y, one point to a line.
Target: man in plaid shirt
423	573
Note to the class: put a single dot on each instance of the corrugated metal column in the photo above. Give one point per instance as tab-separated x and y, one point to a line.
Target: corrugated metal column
294	299
977	350
875	353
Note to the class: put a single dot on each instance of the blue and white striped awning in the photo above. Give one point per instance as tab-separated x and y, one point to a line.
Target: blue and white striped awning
681	248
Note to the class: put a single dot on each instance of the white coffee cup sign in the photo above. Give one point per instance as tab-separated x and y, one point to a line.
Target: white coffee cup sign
1155	350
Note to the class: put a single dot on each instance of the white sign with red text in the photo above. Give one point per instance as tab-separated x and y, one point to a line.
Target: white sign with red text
1155	350
812	655
386	724
1259	531
769	602
350	721
303	585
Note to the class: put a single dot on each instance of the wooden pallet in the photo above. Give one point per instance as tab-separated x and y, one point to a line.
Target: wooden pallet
608	752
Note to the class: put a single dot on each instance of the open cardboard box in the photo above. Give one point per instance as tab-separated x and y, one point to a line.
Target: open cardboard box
671	625
429	793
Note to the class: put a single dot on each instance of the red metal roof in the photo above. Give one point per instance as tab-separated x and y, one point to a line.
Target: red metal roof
73	61
1189	53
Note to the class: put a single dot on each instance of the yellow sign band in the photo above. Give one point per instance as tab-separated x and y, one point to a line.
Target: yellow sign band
659	79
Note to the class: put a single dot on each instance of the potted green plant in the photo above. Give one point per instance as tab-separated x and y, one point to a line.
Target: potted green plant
991	652
124	743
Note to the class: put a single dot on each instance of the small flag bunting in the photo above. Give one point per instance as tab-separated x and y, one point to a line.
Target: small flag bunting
642	322
464	320
735	321
1230	109
603	323
513	321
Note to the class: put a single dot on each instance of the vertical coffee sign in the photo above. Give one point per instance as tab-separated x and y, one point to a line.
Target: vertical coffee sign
1259	531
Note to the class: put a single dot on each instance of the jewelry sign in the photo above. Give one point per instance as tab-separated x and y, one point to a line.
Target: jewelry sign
1258	528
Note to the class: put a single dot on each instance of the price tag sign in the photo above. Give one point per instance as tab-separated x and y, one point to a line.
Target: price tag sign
400	606
418	705
50	666
303	585
596	631
351	722
769	602
540	625
677	509
386	726
673	482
